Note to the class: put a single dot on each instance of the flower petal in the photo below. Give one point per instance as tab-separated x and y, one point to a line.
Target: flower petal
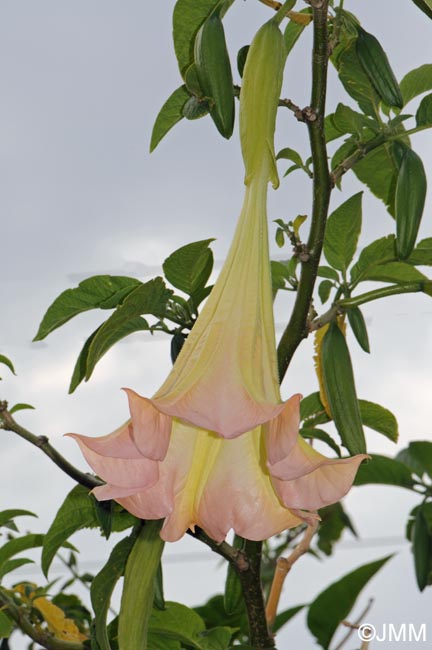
282	431
308	480
128	470
151	428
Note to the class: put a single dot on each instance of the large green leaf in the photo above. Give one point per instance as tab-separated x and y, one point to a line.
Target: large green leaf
379	419
418	456
342	232
379	171
17	545
98	292
103	585
190	266
188	17
399	272
382	470
139	586
334	604
424	112
76	512
148	298
422	548
340	389
378	252
355	80
416	82
168	116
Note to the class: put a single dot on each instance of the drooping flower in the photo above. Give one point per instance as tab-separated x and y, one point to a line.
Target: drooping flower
216	446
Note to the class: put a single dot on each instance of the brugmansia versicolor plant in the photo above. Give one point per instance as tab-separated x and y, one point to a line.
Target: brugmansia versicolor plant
215	446
216	449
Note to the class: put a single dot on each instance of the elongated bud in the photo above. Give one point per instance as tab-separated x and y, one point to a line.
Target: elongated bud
259	97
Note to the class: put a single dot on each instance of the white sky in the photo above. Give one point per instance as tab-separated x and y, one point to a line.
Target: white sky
81	83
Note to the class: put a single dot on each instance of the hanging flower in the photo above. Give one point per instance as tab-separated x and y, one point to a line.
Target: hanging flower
216	446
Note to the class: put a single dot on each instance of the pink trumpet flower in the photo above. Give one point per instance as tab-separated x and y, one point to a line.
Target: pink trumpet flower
216	446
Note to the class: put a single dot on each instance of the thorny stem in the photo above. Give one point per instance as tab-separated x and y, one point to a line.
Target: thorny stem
296	329
283	567
44	639
8	423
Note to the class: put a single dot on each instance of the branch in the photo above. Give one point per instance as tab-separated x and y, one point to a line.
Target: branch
342	306
45	639
283	567
247	565
297	329
8	423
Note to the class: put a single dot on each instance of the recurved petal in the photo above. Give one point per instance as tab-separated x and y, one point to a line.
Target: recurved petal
128	470
307	480
281	432
151	428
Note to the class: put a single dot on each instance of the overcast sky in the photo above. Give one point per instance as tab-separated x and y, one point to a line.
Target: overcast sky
81	84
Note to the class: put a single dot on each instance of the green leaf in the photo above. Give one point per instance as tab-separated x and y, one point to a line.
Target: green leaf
342	232
354	79
139	587
241	58
422	549
422	254
334	604
424	112
76	512
290	154
293	31
319	434
6	626
168	116
378	252
346	120
329	273
17	545
177	622
324	290
377	67
11	565
340	389
188	17
416	82
418	457
379	170
382	470
98	292
216	639
7	515
284	617
358	326
20	407
425	6
379	419
7	362
103	585
190	266
148	298
80	369
409	202
398	272
312	410
334	520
